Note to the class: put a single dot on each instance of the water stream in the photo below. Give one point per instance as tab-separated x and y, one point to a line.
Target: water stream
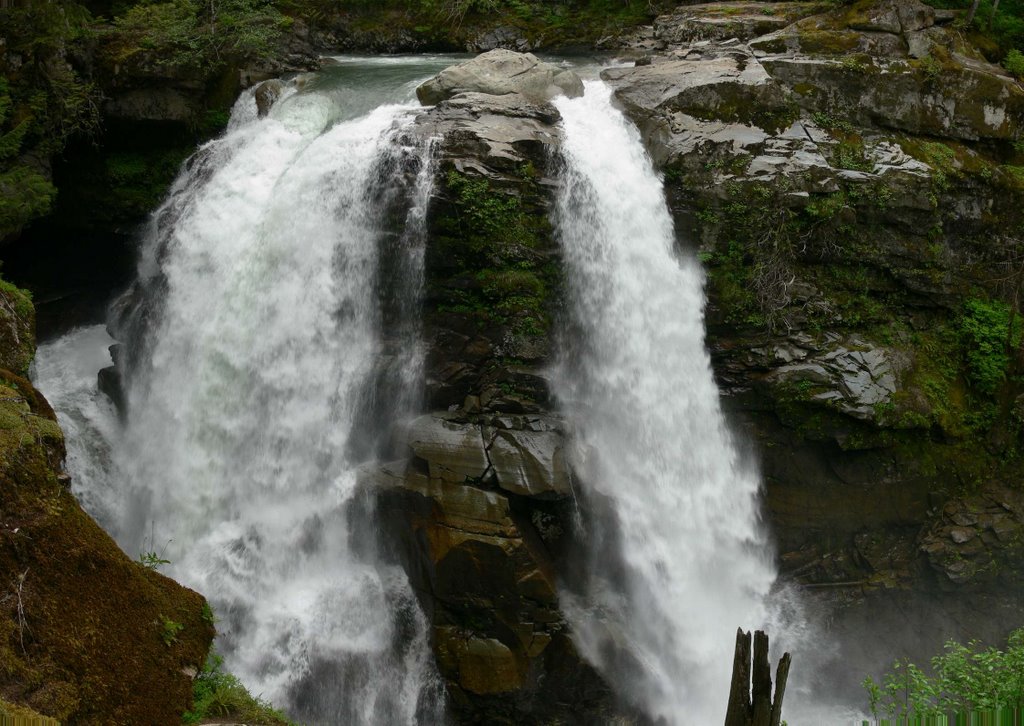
652	447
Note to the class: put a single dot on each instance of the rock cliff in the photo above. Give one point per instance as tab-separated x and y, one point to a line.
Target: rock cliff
853	182
481	505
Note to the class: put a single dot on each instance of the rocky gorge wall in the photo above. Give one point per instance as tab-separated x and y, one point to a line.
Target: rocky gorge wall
479	510
852	181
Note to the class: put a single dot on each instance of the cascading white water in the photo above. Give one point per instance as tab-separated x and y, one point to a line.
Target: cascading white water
238	429
651	439
262	321
65	371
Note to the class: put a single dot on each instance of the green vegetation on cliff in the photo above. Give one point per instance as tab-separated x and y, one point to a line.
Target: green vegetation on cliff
81	637
219	695
17	328
491	241
191	35
84	630
964	678
43	103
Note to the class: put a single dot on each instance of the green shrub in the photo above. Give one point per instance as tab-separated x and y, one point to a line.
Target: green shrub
191	35
964	678
169	630
217	694
24	195
985	331
1015	63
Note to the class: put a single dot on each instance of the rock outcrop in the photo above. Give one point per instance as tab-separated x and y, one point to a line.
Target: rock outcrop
480	508
852	216
501	72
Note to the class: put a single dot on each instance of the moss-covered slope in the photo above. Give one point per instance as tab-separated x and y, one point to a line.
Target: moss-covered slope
87	635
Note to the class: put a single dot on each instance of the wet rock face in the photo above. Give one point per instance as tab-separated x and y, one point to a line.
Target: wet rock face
478	524
978	542
267	94
17	329
492	278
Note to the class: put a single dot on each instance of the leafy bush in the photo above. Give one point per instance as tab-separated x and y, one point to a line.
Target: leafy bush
217	694
1015	63
985	330
1004	28
169	630
188	34
24	195
966	678
43	102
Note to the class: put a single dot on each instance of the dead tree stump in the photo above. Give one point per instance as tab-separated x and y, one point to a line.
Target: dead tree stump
750	693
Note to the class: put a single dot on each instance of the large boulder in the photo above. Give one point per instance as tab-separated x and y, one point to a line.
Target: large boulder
499	72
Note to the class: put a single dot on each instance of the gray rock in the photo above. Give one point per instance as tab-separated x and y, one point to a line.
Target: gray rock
500	72
267	94
454	452
504	36
490	134
679	104
882	18
857	377
725	20
530	463
914	15
974	101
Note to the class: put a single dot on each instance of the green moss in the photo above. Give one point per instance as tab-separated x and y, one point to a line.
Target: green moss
828	42
851	155
734	105
12	713
489	250
17	328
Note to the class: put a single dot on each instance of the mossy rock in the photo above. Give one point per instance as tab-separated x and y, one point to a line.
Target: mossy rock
17	328
82	634
10	712
487	260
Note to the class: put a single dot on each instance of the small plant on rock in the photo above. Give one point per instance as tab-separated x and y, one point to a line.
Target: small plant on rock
169	630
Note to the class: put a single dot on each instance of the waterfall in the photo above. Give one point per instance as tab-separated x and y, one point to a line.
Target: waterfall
253	372
678	560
